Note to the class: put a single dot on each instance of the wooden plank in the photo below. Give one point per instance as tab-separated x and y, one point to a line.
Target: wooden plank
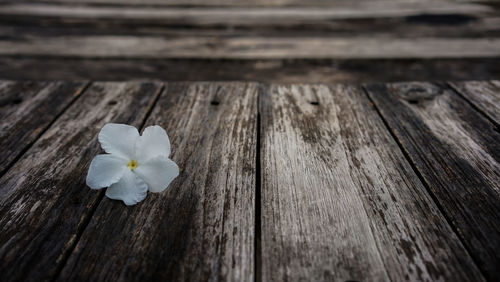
26	110
339	200
485	95
229	16
24	27
240	3
202	227
250	47
186	3
349	19
44	201
456	151
270	70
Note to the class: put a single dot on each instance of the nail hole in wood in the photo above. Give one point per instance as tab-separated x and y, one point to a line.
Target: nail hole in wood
16	101
314	103
112	102
214	103
413	102
441	19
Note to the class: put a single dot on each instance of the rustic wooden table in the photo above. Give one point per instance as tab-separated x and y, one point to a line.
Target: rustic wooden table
278	182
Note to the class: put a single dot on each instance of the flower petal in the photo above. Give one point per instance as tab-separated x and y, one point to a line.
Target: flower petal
154	142
119	139
158	173
130	189
105	170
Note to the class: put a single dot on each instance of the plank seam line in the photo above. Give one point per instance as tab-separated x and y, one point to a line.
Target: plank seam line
76	96
460	94
425	184
258	205
86	221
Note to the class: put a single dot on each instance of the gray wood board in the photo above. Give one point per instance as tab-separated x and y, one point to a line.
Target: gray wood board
485	95
456	150
26	110
44	201
202	227
270	70
251	47
339	200
418	26
231	15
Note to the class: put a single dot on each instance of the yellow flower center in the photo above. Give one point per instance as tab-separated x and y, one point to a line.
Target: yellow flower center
133	164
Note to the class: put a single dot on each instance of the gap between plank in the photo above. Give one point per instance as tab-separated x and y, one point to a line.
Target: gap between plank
460	94
424	182
85	222
258	205
77	95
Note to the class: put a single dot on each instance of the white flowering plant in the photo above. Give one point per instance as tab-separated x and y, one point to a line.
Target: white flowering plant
134	164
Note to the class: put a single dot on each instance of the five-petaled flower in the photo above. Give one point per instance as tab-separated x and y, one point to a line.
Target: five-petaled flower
133	164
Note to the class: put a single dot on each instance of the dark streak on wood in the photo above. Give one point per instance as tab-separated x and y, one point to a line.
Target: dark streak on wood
44	200
276	71
456	151
202	227
16	27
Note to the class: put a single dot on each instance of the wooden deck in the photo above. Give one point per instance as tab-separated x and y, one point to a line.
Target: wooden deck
278	182
317	140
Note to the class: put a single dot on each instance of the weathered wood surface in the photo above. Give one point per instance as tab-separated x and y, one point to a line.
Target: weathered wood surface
271	70
332	191
485	95
122	46
26	110
254	16
44	201
27	21
457	152
246	3
339	200
202	227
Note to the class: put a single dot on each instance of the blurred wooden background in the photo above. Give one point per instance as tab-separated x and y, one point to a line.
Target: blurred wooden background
270	41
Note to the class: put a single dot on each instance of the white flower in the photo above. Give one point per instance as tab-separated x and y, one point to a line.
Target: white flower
134	164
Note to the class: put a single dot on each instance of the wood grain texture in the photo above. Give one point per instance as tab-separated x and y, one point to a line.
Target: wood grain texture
255	16
44	201
241	3
275	71
457	152
121	46
26	110
218	3
27	21
202	227
183	3
339	200
417	26
485	95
